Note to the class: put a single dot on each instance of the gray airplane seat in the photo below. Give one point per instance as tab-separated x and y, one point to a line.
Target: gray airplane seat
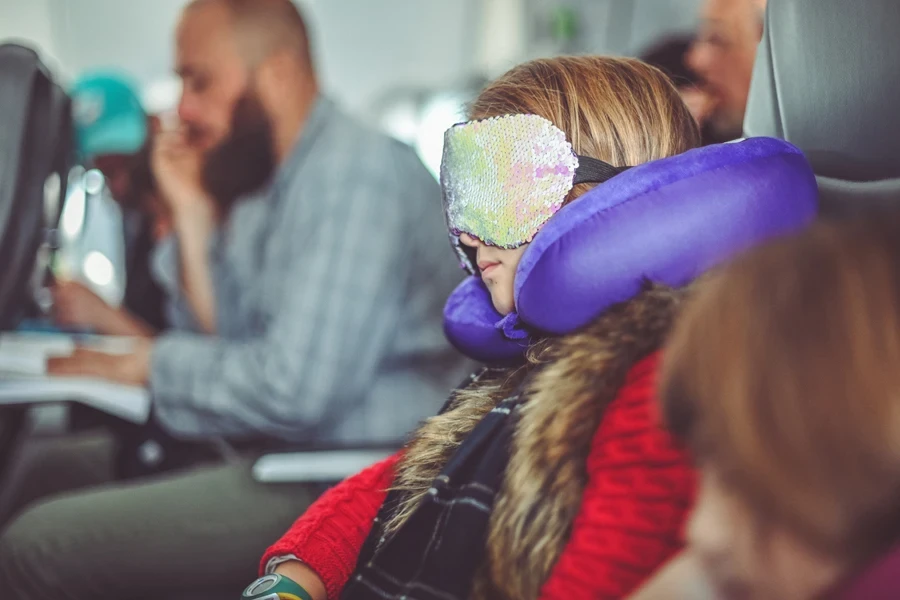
35	157
827	80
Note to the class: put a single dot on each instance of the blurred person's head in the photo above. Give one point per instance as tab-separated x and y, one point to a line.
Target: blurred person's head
620	111
670	56
782	378
248	85
723	57
112	132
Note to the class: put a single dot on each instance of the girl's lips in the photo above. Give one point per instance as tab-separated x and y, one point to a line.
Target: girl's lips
486	268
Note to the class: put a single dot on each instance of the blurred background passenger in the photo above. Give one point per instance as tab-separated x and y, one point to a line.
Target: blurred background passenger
114	135
723	57
782	379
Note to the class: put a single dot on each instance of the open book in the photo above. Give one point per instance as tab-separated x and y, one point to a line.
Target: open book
24	379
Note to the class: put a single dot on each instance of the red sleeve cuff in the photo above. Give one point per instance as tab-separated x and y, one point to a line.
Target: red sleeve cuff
330	535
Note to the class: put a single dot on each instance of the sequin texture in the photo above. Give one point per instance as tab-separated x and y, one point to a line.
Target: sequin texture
503	178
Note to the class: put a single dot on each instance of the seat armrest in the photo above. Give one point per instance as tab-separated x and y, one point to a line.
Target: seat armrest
316	466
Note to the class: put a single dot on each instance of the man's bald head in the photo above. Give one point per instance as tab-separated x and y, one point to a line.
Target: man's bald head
248	85
262	28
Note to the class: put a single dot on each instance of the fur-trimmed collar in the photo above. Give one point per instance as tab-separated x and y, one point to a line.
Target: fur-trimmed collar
571	381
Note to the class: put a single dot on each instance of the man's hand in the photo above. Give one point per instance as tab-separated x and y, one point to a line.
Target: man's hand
177	167
74	305
128	369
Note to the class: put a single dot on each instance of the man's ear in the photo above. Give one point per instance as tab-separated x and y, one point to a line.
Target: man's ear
270	73
275	77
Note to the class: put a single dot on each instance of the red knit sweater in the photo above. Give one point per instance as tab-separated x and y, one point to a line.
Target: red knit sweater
639	490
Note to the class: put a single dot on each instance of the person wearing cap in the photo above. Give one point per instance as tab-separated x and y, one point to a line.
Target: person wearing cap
113	134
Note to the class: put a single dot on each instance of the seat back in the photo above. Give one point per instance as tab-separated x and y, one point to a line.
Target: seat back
826	80
35	156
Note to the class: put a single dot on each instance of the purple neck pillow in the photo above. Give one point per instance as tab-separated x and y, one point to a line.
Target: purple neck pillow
667	221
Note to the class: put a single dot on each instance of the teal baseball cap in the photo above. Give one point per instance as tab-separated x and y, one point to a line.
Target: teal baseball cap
108	115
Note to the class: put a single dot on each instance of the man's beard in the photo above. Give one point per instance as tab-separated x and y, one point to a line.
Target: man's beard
245	160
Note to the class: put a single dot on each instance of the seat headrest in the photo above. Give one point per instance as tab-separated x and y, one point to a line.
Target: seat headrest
666	221
825	80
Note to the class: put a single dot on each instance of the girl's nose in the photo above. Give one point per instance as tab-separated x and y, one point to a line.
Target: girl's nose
470	241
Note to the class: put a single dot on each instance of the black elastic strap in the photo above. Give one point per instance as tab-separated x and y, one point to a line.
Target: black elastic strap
592	170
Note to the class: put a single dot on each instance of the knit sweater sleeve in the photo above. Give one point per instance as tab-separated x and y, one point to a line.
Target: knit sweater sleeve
329	536
639	491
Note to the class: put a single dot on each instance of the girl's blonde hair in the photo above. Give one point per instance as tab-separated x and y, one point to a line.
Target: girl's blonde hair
618	110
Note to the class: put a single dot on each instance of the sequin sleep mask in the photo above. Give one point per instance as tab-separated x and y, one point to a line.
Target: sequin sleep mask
503	178
666	221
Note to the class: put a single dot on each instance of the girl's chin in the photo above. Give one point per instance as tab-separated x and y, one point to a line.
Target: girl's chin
503	308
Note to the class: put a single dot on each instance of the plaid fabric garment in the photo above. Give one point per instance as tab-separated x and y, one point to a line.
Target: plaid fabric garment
437	552
327	334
